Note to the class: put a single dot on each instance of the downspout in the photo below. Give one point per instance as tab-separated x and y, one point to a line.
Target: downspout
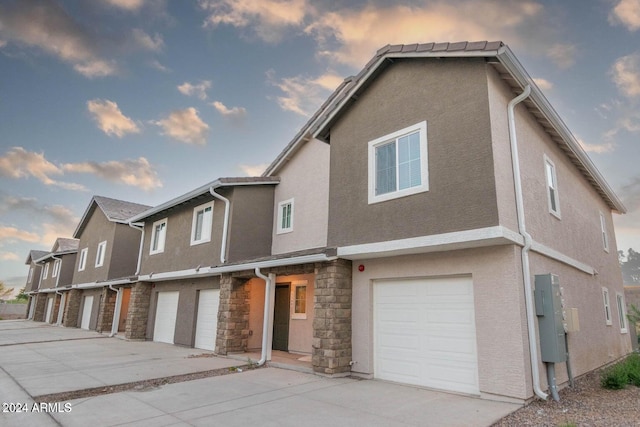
116	312
225	226
526	270
140	227
59	270
268	281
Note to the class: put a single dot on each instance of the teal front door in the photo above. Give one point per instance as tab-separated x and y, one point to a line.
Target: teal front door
281	318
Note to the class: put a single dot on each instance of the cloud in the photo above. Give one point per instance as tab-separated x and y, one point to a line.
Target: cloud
185	126
562	54
134	172
233	113
625	73
47	26
12	234
543	83
254	170
110	119
199	90
269	19
302	94
144	40
627	13
605	147
158	66
9	256
20	163
128	5
630	194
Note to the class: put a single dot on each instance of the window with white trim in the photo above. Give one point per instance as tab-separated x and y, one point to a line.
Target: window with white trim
30	277
398	164
158	236
622	313
201	225
607	306
46	271
56	268
603	231
102	249
299	300
552	187
285	216
83	259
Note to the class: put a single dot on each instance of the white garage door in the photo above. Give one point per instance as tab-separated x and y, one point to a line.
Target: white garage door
424	333
86	312
207	321
166	312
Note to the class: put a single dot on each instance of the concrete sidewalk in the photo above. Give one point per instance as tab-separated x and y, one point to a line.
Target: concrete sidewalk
46	359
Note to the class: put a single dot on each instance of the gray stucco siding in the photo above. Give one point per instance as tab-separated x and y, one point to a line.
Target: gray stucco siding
251	223
98	229
452	97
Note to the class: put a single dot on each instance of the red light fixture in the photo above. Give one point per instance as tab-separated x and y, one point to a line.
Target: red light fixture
361	268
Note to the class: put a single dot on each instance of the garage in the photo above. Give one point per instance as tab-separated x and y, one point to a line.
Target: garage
424	333
86	312
207	319
166	313
49	310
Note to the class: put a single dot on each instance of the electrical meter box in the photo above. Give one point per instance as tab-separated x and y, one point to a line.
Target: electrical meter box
549	309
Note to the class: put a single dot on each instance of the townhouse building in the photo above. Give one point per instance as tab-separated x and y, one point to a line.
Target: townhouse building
33	280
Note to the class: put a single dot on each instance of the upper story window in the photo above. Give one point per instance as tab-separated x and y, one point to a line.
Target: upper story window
285	216
83	259
299	300
552	187
30	276
398	164
158	235
607	306
201	225
622	313
56	268
45	274
102	249
603	230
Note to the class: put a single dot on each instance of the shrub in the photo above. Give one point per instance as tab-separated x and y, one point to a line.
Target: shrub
617	377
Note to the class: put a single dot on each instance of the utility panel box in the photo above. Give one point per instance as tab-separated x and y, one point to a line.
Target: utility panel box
549	309
571	320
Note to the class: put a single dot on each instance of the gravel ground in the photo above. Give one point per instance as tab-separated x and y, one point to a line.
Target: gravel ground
586	404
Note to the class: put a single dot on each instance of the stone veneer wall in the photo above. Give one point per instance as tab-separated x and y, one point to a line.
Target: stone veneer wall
41	303
72	308
332	318
233	315
56	307
138	314
108	307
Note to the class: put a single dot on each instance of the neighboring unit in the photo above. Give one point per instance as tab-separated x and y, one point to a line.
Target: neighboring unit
33	281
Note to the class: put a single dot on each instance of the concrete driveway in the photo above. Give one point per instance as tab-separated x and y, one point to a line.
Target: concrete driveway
37	359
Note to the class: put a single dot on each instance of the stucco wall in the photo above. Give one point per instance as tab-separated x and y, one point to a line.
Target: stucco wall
451	95
124	256
98	229
250	224
67	269
35	278
305	178
187	306
503	359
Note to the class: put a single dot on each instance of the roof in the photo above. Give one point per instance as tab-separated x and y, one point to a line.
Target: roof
495	53
204	189
34	255
62	246
115	210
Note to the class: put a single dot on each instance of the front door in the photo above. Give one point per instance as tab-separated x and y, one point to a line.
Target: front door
281	318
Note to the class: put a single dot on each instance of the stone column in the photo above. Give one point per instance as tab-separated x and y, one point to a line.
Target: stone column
332	318
41	304
72	309
56	307
107	308
138	311
233	315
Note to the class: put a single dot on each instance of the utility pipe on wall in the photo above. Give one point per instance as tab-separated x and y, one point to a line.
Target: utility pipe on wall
268	280
225	226
526	270
140	227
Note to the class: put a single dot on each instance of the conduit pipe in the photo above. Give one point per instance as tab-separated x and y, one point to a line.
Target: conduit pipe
140	227
526	270
268	281
225	226
116	312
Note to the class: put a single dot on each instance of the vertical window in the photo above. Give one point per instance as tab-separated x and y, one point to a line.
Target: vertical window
201	225
56	268
158	235
607	306
102	248
552	187
398	164
46	271
30	277
299	300
285	216
622	313
83	259
603	230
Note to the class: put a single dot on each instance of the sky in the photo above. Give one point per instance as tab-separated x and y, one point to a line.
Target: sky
144	100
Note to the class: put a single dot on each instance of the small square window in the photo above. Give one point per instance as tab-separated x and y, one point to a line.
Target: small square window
552	187
56	268
102	248
46	271
398	164
299	300
201	225
607	306
622	313
285	216
83	259
158	236
603	230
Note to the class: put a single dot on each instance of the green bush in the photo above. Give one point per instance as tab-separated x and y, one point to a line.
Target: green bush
617	377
